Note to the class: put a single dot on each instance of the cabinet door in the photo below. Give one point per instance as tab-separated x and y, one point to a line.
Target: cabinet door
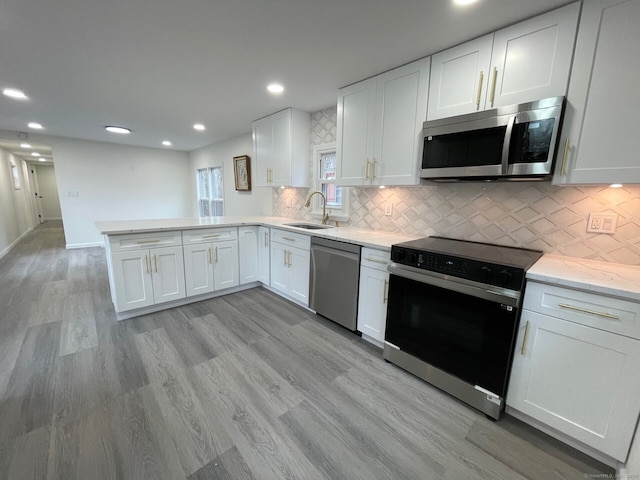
262	151
264	255
132	279
372	302
599	133
198	268
248	254
531	60
299	275
459	79
282	144
279	267
401	108
167	274
354	144
578	380
225	264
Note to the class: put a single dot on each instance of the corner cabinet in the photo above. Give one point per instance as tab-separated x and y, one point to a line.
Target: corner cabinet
574	371
599	134
248	254
290	257
372	295
211	259
145	269
379	125
281	149
527	61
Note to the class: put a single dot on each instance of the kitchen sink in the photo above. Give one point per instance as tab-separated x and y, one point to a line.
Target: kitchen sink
308	226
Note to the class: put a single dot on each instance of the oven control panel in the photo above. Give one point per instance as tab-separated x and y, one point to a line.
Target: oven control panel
479	271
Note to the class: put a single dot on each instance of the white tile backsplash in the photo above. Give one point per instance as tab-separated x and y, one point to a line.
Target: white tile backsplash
530	214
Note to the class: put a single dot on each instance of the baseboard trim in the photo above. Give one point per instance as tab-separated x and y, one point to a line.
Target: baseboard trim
14	243
71	246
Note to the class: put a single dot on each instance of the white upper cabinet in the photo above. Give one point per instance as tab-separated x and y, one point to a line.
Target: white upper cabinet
599	137
525	62
281	149
379	125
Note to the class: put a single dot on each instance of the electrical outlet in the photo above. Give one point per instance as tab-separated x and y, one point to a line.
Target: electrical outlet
602	223
289	203
388	209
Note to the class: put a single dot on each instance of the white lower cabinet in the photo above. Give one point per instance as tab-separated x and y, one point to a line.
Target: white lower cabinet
571	375
290	256
248	254
264	255
372	294
210	265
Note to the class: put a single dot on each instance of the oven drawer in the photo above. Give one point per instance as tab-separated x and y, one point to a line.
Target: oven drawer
598	311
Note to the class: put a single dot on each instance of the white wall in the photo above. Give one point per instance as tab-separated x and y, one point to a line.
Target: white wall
16	218
117	182
48	190
258	201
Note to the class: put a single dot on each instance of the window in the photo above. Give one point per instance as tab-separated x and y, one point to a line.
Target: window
324	178
210	192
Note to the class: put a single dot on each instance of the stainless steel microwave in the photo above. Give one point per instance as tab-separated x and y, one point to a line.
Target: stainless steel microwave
518	142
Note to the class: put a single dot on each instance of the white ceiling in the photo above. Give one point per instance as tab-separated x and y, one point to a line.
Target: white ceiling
159	66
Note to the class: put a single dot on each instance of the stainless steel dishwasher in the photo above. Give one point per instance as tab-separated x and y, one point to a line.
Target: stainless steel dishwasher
334	279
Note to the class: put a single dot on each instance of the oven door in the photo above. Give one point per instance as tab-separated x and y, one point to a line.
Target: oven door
461	327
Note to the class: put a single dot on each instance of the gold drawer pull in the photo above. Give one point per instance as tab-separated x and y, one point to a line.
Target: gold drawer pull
144	242
564	157
385	291
375	260
146	263
493	85
155	261
586	310
479	89
523	350
289	238
215	235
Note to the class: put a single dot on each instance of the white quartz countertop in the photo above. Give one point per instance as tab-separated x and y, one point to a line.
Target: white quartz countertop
360	236
612	279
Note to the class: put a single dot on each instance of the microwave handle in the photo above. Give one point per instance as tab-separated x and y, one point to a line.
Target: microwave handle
505	146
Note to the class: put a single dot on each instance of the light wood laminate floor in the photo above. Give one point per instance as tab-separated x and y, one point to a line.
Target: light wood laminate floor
246	386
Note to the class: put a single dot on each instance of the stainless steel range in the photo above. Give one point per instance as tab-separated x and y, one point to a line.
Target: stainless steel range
453	311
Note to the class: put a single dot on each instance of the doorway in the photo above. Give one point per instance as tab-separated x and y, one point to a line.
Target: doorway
45	191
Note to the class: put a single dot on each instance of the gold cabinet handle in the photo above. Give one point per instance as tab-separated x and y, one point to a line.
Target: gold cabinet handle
288	259
266	237
155	262
385	291
523	350
366	171
375	260
284	258
564	157
146	263
213	235
375	163
479	89
586	310
216	251
289	239
145	242
209	254
494	80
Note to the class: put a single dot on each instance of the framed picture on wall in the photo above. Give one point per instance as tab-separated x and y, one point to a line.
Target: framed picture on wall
15	175
242	172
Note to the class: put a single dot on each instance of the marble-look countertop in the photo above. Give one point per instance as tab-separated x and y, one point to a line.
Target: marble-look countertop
359	236
612	279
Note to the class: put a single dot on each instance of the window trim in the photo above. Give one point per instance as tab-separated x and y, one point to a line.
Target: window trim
341	214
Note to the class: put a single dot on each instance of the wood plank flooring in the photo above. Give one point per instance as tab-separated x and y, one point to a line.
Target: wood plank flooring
247	386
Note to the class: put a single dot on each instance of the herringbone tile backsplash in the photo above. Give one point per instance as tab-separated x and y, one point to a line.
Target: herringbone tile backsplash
531	215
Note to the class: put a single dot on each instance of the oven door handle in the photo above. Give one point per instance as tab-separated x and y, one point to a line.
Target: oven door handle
460	285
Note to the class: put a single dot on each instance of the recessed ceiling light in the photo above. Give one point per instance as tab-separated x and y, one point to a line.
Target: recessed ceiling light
25	145
275	88
463	3
166	143
120	130
199	126
35	154
14	93
42	159
35	126
616	185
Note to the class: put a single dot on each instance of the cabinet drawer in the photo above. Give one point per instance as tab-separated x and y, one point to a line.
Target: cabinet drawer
605	313
137	241
291	239
377	259
202	235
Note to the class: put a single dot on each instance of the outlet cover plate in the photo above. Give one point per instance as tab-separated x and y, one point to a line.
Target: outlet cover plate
602	223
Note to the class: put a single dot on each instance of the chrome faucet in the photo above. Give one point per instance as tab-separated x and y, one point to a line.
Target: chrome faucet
325	215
